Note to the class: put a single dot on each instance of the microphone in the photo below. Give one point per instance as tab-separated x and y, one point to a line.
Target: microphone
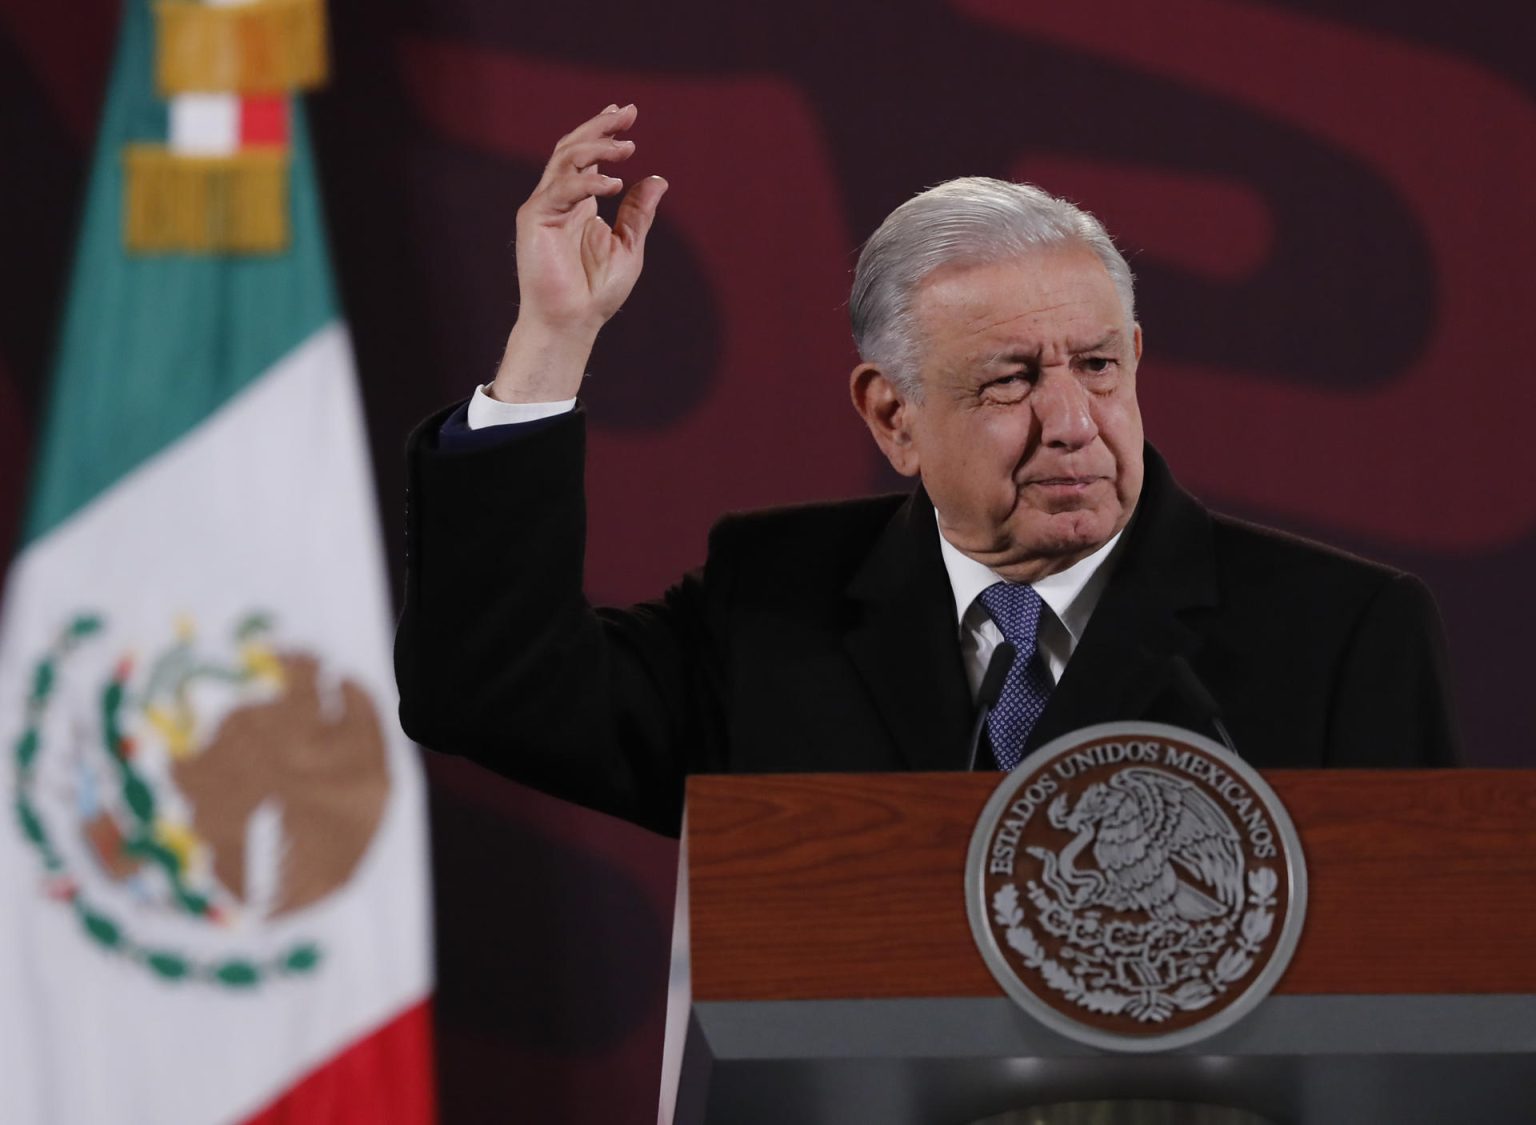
1194	691
986	696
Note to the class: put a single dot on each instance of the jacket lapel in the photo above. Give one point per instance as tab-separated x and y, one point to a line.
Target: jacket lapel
1124	660
904	641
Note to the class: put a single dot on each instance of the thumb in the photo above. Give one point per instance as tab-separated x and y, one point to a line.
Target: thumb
638	211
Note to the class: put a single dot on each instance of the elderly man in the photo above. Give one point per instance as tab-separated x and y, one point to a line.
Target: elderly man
1000	349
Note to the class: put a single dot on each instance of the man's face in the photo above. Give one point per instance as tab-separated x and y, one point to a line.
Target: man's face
1028	436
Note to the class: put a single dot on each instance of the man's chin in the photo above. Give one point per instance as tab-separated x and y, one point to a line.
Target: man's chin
1053	543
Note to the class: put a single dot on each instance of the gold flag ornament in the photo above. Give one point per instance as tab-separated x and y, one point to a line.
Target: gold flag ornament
256	47
206	204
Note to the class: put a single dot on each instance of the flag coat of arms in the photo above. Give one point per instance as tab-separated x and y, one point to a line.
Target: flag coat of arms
213	876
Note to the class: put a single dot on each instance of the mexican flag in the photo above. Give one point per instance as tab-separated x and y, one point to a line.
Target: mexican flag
213	875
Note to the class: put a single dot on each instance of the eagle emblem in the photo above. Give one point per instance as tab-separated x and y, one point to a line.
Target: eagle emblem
186	806
1159	845
1128	885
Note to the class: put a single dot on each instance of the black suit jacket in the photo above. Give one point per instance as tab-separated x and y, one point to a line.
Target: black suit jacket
824	637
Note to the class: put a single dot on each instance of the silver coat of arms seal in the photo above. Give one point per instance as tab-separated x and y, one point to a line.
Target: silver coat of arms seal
1135	886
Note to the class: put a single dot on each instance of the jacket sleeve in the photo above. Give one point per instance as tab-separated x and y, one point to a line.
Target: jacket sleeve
499	656
1392	701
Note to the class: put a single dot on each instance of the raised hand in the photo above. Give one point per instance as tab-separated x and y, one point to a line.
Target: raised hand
574	271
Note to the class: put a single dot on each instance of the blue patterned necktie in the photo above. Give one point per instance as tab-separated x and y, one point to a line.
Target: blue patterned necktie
1016	610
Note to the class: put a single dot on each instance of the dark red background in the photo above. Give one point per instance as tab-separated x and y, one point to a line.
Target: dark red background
1327	206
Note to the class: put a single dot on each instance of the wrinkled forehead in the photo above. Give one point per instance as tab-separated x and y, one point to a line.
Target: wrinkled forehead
1060	297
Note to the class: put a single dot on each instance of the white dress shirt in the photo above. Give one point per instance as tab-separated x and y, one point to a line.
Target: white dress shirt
1069	595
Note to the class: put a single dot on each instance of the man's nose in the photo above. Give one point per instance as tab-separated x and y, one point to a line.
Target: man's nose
1064	410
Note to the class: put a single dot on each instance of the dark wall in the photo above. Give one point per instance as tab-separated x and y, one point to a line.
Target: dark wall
1326	204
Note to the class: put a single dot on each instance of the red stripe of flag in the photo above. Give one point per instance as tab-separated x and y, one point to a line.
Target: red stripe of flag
385	1078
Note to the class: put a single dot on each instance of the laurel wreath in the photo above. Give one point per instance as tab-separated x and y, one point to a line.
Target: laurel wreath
1152	1005
101	927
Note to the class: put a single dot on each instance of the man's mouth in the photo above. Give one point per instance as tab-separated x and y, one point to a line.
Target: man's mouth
1062	482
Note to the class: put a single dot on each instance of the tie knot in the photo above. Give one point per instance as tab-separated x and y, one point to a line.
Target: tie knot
1015	607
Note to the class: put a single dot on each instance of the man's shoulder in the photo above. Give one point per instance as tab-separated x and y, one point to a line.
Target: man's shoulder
1250	560
1269	563
821	544
829	525
1272	547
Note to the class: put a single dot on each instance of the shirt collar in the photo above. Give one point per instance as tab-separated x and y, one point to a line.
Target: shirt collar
1072	593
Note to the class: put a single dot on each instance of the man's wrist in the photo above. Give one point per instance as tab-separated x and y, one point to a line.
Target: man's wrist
486	411
542	364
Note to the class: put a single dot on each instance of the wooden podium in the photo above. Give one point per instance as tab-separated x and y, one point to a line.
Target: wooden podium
830	975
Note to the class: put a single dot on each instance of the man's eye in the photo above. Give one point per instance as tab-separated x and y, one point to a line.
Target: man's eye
1006	388
1097	364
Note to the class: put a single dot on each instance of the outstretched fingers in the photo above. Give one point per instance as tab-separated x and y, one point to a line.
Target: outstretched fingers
593	140
571	177
611	121
565	192
588	154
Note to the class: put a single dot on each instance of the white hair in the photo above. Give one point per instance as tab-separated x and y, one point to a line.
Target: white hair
974	220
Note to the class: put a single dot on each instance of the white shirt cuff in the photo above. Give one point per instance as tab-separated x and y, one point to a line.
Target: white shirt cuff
486	411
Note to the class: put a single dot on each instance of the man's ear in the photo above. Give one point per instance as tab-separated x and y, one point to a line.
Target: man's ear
888	413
